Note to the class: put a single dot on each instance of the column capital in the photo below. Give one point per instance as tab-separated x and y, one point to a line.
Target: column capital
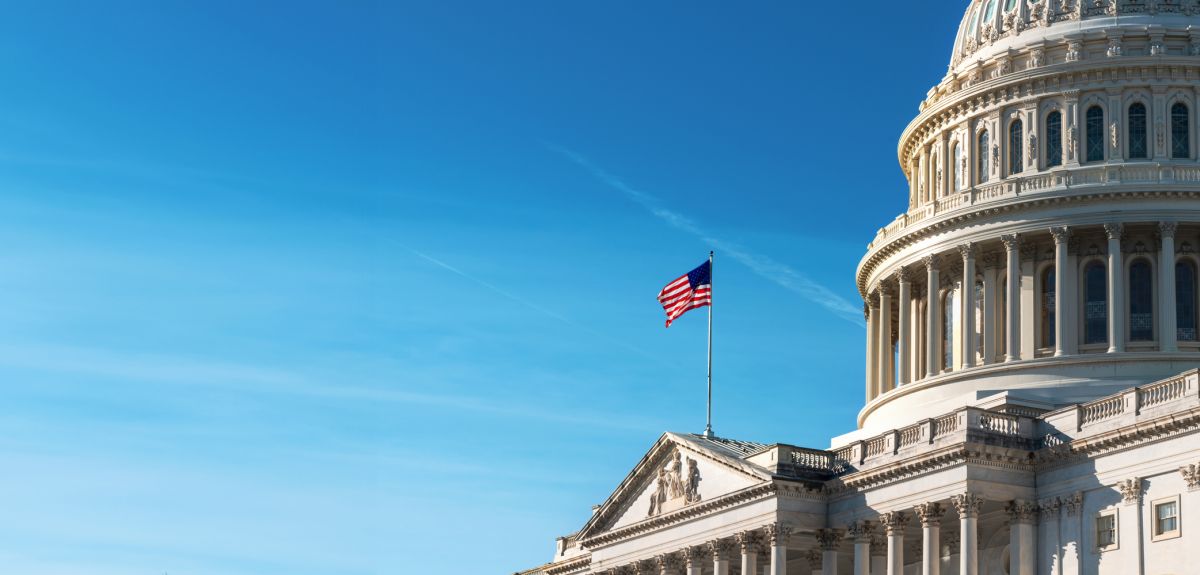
931	262
1167	229
967	504
861	531
815	560
895	522
930	514
1191	476
749	542
878	545
1131	490
873	299
967	250
668	562
903	275
993	261
885	289
829	539
778	532
1113	230
695	555
1073	503
646	567
1061	234
721	549
1012	242
1022	512
1049	508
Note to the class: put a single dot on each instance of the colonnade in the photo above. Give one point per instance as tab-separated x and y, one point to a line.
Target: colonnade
878	546
910	338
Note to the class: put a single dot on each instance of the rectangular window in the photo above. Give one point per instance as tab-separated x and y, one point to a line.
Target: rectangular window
1106	530
1166	518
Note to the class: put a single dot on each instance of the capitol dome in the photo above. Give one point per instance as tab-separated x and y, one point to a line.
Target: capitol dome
1050	248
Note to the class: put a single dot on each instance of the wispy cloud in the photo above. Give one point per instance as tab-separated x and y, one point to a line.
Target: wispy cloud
765	266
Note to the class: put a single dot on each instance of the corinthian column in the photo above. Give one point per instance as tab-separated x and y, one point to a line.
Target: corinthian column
905	328
968	506
886	352
829	540
1116	309
969	341
933	317
930	515
1062	298
1166	288
695	556
668	564
1012	299
777	535
1022	544
722	555
749	542
861	532
872	345
879	555
895	522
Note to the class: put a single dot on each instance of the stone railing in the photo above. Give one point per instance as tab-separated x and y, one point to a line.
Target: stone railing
969	423
1125	408
1048	183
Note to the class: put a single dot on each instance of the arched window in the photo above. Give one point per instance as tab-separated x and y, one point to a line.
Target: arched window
1181	145
948	313
1185	301
1141	302
1054	139
1009	5
989	11
1095	304
1015	148
1137	130
1095	134
981	155
1047	307
957	167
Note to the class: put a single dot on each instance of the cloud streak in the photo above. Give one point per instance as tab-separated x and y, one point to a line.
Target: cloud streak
782	274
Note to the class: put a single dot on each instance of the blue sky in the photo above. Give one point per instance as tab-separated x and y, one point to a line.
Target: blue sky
362	287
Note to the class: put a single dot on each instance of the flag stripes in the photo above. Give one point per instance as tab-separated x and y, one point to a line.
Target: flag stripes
688	292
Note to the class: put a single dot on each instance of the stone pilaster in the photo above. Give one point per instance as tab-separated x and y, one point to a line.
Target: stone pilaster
933	317
930	515
1116	307
861	533
829	539
1167	334
904	369
967	305
1022	543
894	523
722	551
777	538
750	543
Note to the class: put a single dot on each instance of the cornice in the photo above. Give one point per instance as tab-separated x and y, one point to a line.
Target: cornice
970	451
1117	440
569	566
747	495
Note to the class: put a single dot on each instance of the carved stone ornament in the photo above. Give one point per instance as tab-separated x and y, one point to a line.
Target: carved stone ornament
930	514
696	555
647	567
669	562
931	263
1037	58
1167	229
1113	230
777	533
1033	149
675	486
1049	508
903	275
967	504
721	549
895	522
1073	503
1114	48
1071	134
1157	49
829	539
749	541
1131	490
1191	475
878	545
1012	242
1021	511
1060	234
967	251
995	157
1114	136
861	531
815	559
1160	136
1074	51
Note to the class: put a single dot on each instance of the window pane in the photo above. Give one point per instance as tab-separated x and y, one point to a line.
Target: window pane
1141	302
1054	139
1185	301
1048	318
1015	135
1106	530
982	154
1167	515
1095	300
1095	134
1180	132
1137	131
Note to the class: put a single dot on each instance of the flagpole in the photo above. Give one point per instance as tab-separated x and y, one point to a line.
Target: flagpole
708	432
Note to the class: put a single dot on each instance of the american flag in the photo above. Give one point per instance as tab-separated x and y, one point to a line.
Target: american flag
688	292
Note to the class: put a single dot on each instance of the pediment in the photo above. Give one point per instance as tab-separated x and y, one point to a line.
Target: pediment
679	471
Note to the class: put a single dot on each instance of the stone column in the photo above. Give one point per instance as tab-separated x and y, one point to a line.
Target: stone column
749	542
933	317
1072	534
861	532
777	536
829	540
895	523
1131	542
1049	554
1061	296
947	165
1029	301
967	303
879	559
886	351
1116	299
991	271
930	515
1022	544
1166	288
815	562
872	345
968	506
722	555
695	556
904	370
1012	296
668	564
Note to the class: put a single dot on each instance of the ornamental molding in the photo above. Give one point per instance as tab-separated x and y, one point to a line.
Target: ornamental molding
749	541
1131	490
1191	475
737	498
568	567
861	531
930	514
829	539
1118	440
894	522
967	504
1022	512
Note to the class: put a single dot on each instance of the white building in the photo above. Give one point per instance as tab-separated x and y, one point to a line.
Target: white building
1032	405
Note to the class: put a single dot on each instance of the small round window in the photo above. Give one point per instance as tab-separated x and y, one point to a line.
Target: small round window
989	11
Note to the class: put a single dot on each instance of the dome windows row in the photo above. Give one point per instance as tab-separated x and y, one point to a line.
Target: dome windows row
1053	134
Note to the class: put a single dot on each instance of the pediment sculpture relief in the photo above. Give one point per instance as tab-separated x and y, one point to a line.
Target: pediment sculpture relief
675	488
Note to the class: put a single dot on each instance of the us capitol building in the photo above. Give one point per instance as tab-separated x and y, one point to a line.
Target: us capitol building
1031	402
